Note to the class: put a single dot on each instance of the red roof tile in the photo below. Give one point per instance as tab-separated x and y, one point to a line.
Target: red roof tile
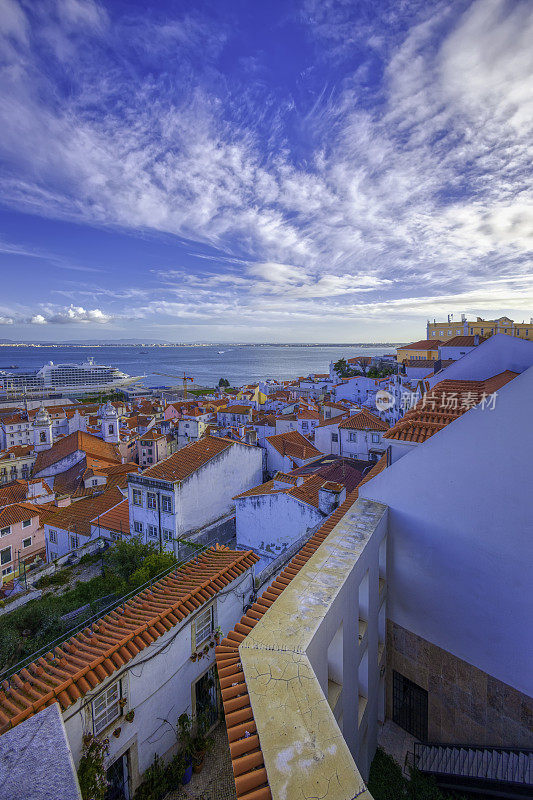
79	440
293	444
88	658
364	421
180	465
251	779
448	400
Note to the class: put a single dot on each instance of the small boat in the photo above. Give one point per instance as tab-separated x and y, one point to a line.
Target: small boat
220	352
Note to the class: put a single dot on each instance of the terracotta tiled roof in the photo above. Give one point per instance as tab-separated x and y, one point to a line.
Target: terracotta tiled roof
116	519
77	517
464	341
293	444
251	779
263	488
18	450
13	492
236	410
88	658
19	512
438	407
420	363
364	421
79	440
180	465
423	344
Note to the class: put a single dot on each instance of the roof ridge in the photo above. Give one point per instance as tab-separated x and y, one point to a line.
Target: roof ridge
103	662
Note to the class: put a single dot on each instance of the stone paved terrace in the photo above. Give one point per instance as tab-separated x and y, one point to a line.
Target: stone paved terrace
215	781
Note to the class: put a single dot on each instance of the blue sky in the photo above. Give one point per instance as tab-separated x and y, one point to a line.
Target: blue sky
322	170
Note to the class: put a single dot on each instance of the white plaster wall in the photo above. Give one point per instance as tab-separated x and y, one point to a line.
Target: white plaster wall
362	444
489	358
159	683
360	738
460	525
208	493
323	440
271	522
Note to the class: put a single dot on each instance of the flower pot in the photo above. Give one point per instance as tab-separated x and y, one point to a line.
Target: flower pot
129	717
187	775
116	732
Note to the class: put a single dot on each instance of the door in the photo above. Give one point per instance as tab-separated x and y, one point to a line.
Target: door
410	706
206	696
118	779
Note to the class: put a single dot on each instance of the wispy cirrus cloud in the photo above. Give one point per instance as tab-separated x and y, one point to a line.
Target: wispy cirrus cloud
392	184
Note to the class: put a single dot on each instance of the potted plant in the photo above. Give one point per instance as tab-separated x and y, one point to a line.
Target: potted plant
116	732
201	742
186	743
217	633
129	717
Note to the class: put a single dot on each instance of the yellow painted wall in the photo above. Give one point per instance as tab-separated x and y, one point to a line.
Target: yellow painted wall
485	327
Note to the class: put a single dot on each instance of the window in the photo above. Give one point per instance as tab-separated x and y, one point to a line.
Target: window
152	531
5	531
138	527
106	708
150	460
375	438
7	571
74	542
5	555
111	428
151	500
42	436
166	503
52	537
26	542
137	497
409	706
167	535
353	437
203	626
334	437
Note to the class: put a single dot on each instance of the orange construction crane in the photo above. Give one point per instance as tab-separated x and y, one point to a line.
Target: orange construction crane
183	377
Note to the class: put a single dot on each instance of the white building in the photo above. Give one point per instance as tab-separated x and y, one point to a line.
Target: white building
128	681
191	489
361	436
272	516
286	451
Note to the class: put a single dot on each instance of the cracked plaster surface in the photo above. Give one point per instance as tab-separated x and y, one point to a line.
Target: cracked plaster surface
305	754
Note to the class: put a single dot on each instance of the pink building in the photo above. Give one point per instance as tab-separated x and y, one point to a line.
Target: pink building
21	537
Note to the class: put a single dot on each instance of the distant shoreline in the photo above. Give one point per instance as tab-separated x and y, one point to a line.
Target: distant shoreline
203	344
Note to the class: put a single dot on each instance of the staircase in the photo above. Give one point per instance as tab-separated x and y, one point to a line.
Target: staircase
498	771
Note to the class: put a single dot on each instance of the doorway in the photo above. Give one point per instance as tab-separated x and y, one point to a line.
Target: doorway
410	706
117	775
206	697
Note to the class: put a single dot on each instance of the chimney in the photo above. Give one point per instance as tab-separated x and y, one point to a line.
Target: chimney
62	502
476	339
330	496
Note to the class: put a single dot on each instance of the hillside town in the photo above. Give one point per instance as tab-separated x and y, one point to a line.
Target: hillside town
338	559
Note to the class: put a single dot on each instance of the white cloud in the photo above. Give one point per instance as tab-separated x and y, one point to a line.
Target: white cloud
424	194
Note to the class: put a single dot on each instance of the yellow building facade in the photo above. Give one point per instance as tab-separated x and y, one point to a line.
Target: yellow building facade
482	327
425	350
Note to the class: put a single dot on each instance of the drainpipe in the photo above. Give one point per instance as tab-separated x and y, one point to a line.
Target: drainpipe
158	495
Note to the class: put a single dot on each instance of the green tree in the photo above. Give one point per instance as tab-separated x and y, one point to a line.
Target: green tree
223	382
127	556
153	565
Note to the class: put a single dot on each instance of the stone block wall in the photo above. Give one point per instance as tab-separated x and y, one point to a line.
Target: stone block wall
465	705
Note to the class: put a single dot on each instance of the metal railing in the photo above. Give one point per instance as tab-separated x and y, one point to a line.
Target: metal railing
121	601
475	762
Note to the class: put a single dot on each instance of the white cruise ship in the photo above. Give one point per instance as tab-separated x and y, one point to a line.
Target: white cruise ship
65	379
